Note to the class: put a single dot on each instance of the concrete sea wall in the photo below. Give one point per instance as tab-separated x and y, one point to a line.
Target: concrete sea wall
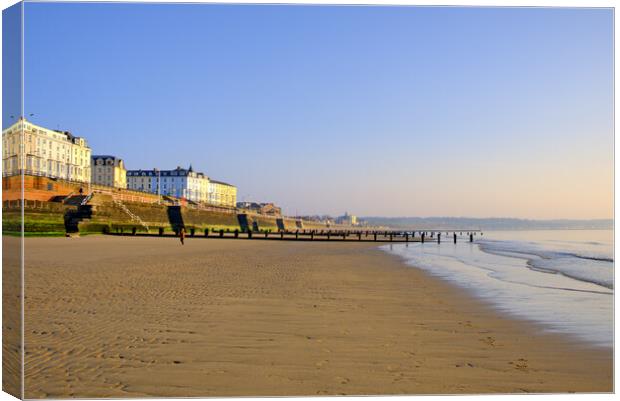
102	215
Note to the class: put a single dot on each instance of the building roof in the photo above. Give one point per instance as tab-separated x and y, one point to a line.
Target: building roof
70	137
221	183
177	172
68	134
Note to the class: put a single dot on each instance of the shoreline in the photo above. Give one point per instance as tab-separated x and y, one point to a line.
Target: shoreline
244	318
503	306
538	327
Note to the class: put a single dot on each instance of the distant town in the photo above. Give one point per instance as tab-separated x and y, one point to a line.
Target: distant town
60	155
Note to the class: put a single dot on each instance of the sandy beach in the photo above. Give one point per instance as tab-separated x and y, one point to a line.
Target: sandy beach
132	317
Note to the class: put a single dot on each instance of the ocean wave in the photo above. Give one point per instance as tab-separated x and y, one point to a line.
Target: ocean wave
587	266
599	258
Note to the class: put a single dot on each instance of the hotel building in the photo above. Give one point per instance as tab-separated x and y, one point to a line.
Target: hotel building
109	171
222	194
183	183
44	152
179	183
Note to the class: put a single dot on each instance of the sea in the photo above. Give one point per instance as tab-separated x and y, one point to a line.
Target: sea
561	279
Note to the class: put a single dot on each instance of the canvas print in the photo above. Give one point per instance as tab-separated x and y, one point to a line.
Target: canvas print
213	200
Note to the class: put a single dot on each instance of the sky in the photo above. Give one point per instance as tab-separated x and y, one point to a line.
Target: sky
378	111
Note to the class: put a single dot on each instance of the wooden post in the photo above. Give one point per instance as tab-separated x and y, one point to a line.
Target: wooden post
455	238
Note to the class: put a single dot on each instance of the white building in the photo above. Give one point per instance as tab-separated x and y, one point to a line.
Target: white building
109	171
347	219
179	183
222	194
44	152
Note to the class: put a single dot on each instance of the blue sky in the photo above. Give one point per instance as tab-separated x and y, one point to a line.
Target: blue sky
374	110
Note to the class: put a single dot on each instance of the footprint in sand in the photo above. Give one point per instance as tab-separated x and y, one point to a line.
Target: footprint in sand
343	380
520	364
460	365
489	341
399	377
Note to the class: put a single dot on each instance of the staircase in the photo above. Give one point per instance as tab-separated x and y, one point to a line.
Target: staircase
76	200
133	216
86	199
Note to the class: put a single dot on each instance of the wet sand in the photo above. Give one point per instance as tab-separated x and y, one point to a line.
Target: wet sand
130	317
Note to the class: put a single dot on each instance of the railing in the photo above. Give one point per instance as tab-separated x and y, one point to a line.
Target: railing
67	197
133	216
34	173
126	194
32	204
213	208
85	200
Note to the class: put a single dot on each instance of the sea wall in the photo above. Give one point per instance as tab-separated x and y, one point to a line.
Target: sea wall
107	213
115	210
40	218
46	189
103	215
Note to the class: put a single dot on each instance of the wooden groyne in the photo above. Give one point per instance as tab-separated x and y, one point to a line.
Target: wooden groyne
390	236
